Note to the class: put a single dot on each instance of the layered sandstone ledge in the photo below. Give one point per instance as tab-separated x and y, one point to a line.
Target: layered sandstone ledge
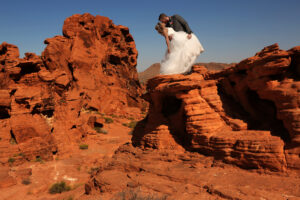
247	115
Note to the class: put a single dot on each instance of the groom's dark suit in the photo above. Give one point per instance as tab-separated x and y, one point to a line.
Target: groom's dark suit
178	24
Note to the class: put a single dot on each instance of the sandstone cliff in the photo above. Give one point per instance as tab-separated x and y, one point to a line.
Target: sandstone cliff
247	115
200	126
50	101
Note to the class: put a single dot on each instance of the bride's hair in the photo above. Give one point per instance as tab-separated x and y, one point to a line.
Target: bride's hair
160	27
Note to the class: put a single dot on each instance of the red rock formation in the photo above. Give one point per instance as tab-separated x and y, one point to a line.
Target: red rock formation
247	115
201	124
48	102
170	174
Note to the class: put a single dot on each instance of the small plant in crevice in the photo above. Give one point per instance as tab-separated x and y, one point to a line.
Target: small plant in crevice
59	188
90	110
11	160
100	130
62	101
114	116
12	141
93	169
131	124
39	159
108	120
26	181
83	146
130	118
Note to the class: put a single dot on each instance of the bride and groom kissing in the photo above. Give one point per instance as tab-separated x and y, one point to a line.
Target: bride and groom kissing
183	45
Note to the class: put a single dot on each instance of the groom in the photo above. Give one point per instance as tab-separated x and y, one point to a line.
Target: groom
176	22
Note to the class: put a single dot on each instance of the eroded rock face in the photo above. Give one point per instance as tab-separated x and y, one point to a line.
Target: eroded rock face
201	125
247	115
50	101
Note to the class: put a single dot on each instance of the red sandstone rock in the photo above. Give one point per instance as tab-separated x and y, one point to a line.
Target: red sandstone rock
5	179
8	52
177	175
254	104
246	115
46	102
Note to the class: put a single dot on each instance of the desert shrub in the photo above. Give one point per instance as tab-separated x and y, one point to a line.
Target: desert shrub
114	116
93	169
130	118
11	160
100	130
12	141
108	120
83	146
59	188
131	124
26	181
39	159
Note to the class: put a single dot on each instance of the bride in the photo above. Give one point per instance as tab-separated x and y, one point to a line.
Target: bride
181	53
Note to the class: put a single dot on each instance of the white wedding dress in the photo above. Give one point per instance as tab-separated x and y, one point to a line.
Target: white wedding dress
183	53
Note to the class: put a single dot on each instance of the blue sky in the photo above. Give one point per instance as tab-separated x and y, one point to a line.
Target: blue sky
229	30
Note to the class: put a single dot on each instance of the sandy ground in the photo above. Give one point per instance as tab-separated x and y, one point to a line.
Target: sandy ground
73	167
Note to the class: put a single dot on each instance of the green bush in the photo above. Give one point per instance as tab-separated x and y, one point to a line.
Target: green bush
93	169
11	160
131	124
100	130
130	118
83	146
26	181
108	120
114	116
39	159
59	187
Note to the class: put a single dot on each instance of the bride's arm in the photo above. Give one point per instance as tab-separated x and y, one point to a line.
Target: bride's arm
165	33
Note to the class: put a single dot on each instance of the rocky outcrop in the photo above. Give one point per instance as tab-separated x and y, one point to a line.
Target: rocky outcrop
50	101
169	174
247	115
201	126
